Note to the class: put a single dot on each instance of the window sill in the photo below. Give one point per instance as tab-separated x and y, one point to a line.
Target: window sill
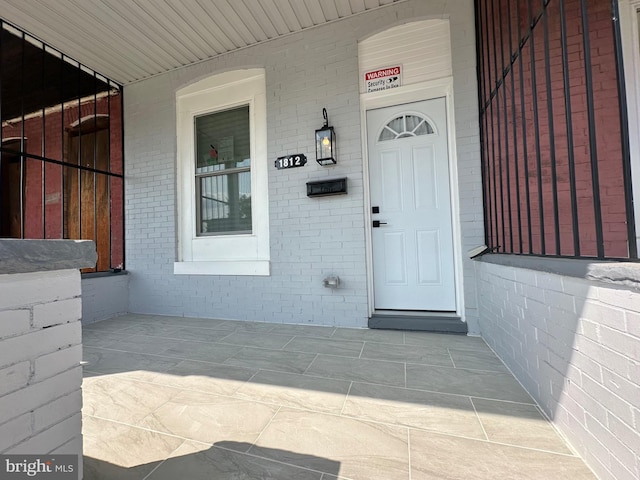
111	273
236	267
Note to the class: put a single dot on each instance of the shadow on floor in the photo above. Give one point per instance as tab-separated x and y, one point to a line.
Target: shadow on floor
222	461
378	403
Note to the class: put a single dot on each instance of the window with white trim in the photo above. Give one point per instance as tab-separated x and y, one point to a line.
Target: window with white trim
223	172
222	176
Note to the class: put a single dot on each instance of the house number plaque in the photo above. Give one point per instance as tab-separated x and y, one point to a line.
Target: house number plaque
291	161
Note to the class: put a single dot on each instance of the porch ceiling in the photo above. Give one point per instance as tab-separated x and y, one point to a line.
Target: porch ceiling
129	40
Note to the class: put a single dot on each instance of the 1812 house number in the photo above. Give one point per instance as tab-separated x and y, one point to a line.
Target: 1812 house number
291	161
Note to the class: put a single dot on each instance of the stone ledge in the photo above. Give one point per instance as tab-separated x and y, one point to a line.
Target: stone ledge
622	274
25	256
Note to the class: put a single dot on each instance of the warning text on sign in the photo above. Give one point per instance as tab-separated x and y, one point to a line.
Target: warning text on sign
383	79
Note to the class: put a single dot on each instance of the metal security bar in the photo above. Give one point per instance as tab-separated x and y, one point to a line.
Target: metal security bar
61	155
553	121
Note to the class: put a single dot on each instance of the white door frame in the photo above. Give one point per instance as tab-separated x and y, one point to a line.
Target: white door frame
409	94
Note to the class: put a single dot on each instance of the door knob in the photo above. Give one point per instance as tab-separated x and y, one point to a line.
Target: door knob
377	223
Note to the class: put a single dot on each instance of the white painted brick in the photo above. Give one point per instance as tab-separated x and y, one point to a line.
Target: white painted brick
304	73
24	289
622	387
72	447
603	314
14	322
40	342
560	300
606	439
33	396
27	399
587	365
15	431
587	400
621	342
602	355
549	281
621	472
580	289
575	407
624	299
627	435
561	330
633	324
57	410
581	366
589	329
50	439
14	377
57	362
532	292
104	297
57	313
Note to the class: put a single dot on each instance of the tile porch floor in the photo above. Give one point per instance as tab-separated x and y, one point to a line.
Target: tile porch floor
170	398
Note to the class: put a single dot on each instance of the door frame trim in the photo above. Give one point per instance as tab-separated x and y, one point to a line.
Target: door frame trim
430	90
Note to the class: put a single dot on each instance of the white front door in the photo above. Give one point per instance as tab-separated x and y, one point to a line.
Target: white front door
412	239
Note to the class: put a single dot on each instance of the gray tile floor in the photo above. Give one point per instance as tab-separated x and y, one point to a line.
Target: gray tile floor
168	398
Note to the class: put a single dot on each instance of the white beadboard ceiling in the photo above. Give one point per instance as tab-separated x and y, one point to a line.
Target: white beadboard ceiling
129	40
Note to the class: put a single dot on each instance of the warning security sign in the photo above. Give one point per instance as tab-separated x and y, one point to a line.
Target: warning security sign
383	79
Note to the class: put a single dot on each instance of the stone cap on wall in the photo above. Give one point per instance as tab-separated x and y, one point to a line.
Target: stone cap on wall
620	273
24	256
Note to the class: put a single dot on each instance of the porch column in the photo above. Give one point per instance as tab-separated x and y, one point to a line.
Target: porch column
41	347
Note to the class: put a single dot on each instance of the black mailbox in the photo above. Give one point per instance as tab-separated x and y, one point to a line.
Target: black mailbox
322	188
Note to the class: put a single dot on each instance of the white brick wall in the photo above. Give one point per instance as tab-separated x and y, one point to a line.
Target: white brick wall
575	346
40	372
309	238
104	297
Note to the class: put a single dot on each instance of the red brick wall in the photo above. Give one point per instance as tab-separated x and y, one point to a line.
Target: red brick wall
546	139
44	180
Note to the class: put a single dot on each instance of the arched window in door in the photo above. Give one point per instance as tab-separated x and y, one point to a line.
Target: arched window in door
406	126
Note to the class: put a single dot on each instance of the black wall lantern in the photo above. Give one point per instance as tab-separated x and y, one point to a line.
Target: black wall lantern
325	143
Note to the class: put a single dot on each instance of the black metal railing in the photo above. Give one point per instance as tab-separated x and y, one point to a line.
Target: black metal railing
554	136
61	155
